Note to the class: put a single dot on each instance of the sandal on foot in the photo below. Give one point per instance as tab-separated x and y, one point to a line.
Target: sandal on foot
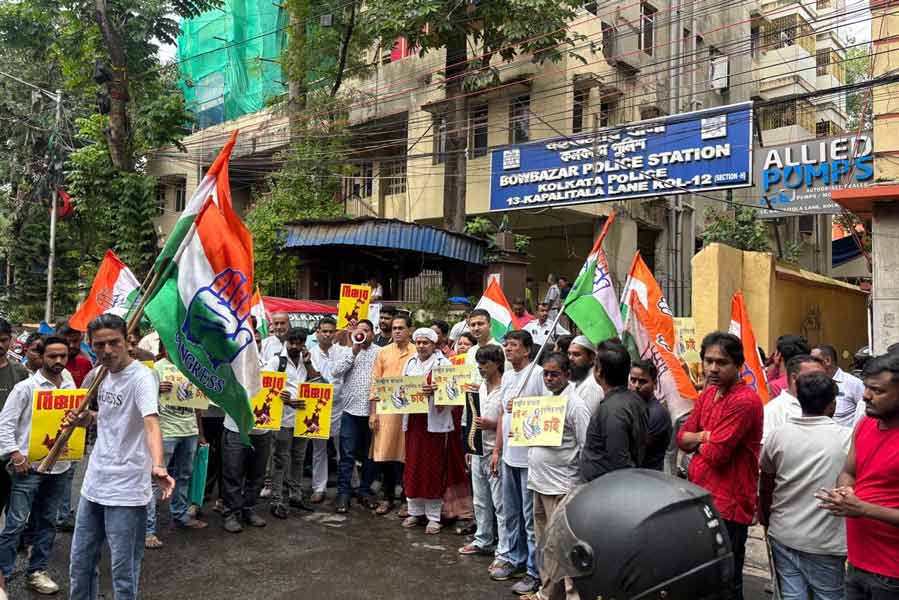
410	522
385	507
433	528
152	542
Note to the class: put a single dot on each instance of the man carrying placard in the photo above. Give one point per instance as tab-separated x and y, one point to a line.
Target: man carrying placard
32	492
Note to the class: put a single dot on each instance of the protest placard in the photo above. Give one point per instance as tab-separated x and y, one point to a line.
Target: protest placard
184	393
49	408
353	306
449	380
267	406
538	420
314	421
401	395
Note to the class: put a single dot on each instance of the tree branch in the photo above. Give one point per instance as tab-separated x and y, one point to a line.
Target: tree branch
344	49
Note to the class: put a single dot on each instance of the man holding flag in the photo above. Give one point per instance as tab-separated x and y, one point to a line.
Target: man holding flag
724	433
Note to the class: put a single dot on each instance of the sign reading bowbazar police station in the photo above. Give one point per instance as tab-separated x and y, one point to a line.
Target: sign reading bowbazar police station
694	152
799	178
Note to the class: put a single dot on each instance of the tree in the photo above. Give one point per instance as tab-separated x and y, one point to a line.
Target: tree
860	104
742	230
497	31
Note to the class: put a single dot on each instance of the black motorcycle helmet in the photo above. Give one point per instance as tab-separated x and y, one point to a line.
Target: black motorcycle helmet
637	533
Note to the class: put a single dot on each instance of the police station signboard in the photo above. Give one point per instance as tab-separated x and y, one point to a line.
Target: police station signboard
693	152
799	178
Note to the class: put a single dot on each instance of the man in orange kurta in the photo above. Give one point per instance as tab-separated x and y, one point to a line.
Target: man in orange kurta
388	444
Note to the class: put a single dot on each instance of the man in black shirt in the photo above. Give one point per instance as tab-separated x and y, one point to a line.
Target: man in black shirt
617	434
643	379
385	322
11	373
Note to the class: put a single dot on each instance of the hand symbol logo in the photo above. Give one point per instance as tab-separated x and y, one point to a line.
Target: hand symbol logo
216	316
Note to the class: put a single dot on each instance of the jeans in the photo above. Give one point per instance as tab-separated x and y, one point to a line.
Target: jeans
737	533
320	459
518	506
243	470
487	492
355	439
864	585
178	455
65	505
287	465
123	528
213	427
800	573
5	485
37	495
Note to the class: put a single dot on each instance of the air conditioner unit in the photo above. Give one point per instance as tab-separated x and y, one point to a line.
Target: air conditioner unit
719	72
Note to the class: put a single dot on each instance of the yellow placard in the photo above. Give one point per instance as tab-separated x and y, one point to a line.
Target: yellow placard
449	380
538	420
458	359
315	420
184	394
353	307
401	395
48	410
686	345
267	406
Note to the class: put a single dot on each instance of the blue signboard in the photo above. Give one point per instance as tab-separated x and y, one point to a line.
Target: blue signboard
700	151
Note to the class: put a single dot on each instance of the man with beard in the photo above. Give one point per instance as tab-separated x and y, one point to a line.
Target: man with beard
385	324
33	494
581	354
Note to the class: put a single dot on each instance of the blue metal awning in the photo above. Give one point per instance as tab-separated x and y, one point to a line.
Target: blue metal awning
387	234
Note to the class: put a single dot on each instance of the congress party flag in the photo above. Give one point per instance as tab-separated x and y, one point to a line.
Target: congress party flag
258	311
641	281
753	373
115	290
201	305
674	386
495	303
592	303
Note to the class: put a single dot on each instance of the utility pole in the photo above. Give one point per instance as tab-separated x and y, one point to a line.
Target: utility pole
51	256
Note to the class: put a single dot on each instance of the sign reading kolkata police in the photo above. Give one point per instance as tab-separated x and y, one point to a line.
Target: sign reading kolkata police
800	177
700	151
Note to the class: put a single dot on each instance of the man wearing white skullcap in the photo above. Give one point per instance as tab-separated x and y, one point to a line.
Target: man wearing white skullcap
424	478
581	353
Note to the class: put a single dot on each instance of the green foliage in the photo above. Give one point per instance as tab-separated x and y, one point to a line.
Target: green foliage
434	305
479	227
859	105
307	187
742	230
522	242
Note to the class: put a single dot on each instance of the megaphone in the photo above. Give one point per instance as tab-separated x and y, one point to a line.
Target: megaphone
358	337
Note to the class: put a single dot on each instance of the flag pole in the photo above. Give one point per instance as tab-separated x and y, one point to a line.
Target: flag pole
66	433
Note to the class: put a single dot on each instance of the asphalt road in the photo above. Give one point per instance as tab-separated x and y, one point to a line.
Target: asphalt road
311	556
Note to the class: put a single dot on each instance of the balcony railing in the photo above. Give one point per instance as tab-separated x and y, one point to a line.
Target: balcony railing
788	30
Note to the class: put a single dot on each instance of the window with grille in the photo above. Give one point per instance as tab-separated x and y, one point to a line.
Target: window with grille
581	100
160	199
180	197
393	176
647	27
478	130
520	119
439	128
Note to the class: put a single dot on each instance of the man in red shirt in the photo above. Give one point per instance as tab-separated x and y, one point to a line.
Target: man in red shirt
867	491
788	346
79	365
724	432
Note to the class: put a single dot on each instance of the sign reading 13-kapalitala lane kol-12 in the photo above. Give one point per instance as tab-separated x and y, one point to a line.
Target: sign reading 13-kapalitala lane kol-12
693	152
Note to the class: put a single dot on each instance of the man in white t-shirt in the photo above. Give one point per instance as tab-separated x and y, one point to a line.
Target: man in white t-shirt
779	410
517	498
127	457
539	328
851	389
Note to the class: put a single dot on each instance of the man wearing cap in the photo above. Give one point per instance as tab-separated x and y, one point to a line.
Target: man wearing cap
581	354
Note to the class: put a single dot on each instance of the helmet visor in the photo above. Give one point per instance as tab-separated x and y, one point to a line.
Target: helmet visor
564	554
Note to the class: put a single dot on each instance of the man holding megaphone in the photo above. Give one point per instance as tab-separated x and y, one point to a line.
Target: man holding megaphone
355	435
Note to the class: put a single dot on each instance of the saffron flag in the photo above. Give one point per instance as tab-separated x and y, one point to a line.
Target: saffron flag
201	305
674	387
495	303
753	373
115	290
258	311
592	303
641	281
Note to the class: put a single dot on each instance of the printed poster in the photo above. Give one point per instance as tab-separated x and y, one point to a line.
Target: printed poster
686	346
267	406
538	420
48	410
315	420
473	436
184	394
458	359
353	306
401	395
449	380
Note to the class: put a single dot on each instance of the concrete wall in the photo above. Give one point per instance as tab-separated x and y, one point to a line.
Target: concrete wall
780	299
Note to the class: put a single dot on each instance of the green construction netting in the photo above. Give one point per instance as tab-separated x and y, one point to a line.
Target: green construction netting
230	59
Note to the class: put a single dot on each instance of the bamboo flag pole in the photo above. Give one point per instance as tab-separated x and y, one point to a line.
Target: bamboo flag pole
66	433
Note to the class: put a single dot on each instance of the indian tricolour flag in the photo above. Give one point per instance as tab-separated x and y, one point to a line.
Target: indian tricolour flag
201	303
258	310
592	303
115	290
495	303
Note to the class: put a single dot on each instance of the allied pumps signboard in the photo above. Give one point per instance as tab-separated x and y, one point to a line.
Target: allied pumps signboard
799	178
694	152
